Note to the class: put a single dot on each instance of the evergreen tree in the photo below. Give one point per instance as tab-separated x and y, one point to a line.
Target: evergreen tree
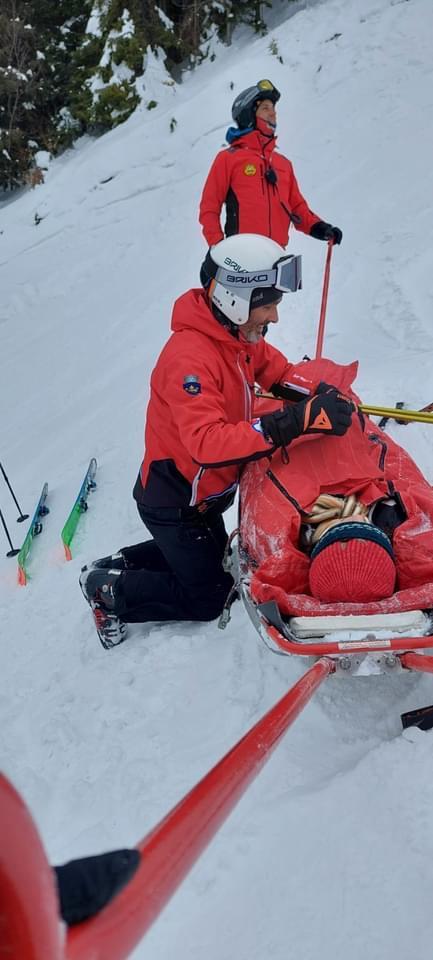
37	39
70	66
107	64
60	28
20	72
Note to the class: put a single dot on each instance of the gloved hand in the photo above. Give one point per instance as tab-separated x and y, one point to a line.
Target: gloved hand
85	886
324	387
325	231
327	413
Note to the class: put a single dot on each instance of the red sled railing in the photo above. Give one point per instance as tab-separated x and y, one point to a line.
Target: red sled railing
29	920
31	929
338	647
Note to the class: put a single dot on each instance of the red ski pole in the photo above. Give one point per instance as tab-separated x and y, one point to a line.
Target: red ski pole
321	331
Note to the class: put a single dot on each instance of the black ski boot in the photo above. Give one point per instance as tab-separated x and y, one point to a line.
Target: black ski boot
116	561
98	586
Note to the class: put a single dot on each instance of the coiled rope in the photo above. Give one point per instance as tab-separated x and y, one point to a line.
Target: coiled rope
329	510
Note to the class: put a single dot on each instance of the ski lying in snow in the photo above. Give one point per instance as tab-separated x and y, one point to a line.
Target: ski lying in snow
80	506
34	528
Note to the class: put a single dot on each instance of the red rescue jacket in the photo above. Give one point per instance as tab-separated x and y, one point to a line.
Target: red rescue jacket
199	429
253	205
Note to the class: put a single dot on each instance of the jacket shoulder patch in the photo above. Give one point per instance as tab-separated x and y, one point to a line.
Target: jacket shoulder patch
191	384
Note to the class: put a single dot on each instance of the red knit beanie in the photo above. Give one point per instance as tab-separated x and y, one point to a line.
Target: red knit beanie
352	562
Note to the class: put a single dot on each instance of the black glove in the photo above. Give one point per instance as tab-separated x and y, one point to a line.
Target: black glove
327	413
86	886
324	387
325	231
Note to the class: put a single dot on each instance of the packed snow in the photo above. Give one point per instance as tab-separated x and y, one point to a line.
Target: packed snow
329	854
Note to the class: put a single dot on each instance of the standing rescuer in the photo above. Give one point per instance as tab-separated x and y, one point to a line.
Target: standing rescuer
257	185
200	430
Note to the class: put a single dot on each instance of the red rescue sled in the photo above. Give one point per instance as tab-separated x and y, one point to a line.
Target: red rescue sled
275	497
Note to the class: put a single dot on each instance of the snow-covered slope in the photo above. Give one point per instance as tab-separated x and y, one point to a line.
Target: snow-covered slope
329	854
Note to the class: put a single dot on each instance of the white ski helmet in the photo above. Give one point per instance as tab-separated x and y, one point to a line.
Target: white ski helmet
248	267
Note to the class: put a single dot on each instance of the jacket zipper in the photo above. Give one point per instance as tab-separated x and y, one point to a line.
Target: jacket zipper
248	412
375	439
265	186
194	487
248	416
303	513
268	194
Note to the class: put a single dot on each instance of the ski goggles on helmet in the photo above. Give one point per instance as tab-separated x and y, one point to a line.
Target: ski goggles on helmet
266	86
285	275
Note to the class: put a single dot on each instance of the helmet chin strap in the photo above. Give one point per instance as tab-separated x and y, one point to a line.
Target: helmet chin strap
265	128
224	321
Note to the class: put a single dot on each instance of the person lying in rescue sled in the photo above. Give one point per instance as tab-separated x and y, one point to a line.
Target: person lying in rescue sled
342	521
256	183
201	429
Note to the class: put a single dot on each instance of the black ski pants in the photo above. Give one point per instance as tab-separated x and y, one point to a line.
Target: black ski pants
178	575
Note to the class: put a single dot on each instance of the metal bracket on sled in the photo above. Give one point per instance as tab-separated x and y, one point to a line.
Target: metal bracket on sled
266	613
270	611
366	664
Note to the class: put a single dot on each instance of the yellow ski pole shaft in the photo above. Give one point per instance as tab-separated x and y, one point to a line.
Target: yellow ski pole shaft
415	416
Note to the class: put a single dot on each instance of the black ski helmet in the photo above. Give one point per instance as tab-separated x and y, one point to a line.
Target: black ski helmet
243	109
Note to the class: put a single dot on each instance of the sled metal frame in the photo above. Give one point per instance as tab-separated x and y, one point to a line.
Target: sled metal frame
388	654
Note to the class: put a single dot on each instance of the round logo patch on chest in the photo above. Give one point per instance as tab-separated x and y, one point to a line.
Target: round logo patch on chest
250	170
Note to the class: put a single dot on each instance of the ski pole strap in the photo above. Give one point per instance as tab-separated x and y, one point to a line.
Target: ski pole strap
321	330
